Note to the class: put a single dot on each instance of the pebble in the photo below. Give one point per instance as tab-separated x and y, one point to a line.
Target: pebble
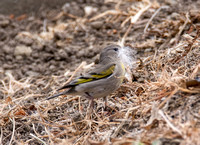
7	49
80	53
4	23
52	67
89	10
62	54
8	66
24	39
175	16
171	2
3	35
97	24
22	51
73	8
148	50
19	57
32	73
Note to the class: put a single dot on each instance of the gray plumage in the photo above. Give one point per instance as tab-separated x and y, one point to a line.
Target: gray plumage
103	79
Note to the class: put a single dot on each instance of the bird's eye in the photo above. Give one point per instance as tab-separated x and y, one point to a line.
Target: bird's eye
115	49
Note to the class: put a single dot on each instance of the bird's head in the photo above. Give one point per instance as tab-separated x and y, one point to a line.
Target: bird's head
110	52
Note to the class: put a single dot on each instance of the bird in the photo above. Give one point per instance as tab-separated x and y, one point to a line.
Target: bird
99	82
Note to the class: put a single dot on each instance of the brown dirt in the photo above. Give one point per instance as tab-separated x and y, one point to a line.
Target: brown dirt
39	53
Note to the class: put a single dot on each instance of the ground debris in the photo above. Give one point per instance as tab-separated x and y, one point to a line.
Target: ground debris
160	103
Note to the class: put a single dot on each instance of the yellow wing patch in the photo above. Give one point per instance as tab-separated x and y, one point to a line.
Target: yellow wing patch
80	81
95	76
105	73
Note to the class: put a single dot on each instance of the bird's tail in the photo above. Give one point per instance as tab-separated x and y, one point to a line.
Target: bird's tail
56	95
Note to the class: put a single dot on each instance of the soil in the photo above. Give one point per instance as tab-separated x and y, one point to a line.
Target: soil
39	52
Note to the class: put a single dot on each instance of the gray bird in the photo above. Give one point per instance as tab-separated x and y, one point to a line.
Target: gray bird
105	78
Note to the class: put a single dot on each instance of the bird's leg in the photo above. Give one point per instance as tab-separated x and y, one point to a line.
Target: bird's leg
106	103
91	105
90	109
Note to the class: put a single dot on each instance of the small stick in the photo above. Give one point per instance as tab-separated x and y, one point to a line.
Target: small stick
1	139
111	12
169	123
183	26
38	138
79	67
123	122
13	133
172	93
152	17
133	20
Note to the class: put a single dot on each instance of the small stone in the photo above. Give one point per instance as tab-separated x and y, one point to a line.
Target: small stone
175	16
47	35
7	49
148	50
12	43
97	24
62	54
171	2
22	51
7	66
80	53
4	23
89	10
65	7
9	57
19	57
3	35
52	67
24	39
32	73
73	8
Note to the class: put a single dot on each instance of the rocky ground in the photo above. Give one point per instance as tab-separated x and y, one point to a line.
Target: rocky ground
159	105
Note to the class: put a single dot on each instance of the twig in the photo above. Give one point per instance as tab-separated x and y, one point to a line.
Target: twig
152	17
79	67
194	114
123	122
169	123
133	20
38	138
111	12
69	100
189	91
195	71
13	133
1	139
118	4
45	25
34	129
59	15
182	27
172	93
125	35
48	134
189	46
121	125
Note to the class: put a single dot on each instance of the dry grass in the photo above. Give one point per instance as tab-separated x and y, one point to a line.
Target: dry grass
159	109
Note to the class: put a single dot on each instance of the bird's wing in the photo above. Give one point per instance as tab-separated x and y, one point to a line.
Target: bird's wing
102	71
99	72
